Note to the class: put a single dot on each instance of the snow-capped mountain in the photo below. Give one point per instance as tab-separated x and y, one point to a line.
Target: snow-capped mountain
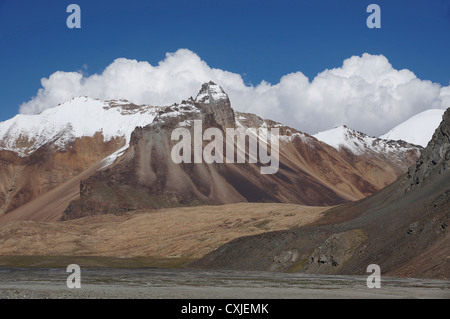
418	130
85	116
358	143
76	118
310	171
64	144
124	149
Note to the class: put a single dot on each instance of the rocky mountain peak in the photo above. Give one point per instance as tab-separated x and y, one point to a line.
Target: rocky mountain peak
213	100
210	93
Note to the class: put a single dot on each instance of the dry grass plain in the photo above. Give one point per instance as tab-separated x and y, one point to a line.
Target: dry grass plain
189	232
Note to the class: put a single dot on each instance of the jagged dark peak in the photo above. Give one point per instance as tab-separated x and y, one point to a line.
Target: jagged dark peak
435	158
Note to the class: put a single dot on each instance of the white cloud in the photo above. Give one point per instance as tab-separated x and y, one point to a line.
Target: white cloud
366	92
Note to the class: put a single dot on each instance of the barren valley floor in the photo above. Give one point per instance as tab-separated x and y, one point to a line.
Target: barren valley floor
189	232
143	283
145	254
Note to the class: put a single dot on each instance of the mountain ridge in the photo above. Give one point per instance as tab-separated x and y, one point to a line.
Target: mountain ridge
307	173
84	131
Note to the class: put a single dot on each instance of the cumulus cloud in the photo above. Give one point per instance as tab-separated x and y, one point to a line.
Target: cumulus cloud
366	93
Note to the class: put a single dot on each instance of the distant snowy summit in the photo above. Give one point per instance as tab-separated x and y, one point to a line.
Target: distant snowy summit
358	143
419	129
78	117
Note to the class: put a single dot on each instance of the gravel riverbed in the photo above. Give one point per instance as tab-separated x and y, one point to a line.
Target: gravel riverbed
101	283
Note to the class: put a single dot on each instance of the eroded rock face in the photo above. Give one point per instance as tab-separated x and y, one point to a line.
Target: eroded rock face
23	179
334	252
435	159
213	100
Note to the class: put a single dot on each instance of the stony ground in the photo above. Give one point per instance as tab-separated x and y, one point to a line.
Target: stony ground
38	283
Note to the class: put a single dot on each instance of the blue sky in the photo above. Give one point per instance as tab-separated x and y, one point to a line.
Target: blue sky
261	40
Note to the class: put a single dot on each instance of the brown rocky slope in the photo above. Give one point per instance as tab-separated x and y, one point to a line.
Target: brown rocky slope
402	228
23	179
